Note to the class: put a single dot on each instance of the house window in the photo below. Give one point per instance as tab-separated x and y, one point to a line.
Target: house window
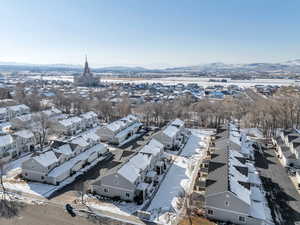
42	177
242	219
210	212
127	195
106	190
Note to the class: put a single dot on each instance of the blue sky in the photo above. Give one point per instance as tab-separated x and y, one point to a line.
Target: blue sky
149	32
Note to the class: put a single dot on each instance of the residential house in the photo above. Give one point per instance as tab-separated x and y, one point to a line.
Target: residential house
22	121
71	126
120	130
173	135
25	140
62	161
90	119
7	147
232	190
287	145
136	179
17	110
53	114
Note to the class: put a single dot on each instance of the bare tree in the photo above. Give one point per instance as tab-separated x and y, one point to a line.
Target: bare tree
8	207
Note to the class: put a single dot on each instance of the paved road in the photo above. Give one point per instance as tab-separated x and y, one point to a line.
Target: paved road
52	215
284	197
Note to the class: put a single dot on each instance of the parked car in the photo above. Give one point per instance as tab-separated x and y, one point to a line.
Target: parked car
70	210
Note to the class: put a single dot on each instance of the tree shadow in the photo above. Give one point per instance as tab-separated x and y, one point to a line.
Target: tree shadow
262	161
104	220
278	202
10	209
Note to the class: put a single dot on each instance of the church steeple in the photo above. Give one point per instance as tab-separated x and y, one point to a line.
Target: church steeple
86	67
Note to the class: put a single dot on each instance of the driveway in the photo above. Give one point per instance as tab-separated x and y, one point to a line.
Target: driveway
282	194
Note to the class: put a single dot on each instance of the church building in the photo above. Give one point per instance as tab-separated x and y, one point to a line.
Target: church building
87	79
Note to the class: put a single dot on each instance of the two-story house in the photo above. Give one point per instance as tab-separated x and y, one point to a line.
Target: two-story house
7	147
25	141
17	110
118	131
135	179
90	119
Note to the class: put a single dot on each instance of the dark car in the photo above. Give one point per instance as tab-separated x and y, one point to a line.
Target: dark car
70	210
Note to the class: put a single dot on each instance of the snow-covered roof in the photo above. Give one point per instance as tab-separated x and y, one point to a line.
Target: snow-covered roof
122	123
140	161
100	148
239	190
18	107
25	118
116	125
46	158
254	178
6	140
177	122
70	121
88	115
128	129
155	143
256	194
56	172
51	112
64	149
24	133
152	150
171	131
130	172
90	135
80	141
131	169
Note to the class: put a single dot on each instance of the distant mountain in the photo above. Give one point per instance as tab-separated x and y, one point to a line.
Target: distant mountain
121	69
292	66
288	66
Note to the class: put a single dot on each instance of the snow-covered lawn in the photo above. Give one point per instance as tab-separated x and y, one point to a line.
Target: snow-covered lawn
33	188
12	168
253	131
178	179
195	143
123	208
175	183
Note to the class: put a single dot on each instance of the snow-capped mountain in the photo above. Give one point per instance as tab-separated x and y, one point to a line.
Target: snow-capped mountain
288	66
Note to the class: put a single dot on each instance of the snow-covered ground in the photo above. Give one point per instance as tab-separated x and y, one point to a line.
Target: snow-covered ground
253	131
123	208
174	184
205	81
185	80
178	179
12	168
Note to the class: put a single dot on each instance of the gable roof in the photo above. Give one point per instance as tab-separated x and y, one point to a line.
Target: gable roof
46	158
